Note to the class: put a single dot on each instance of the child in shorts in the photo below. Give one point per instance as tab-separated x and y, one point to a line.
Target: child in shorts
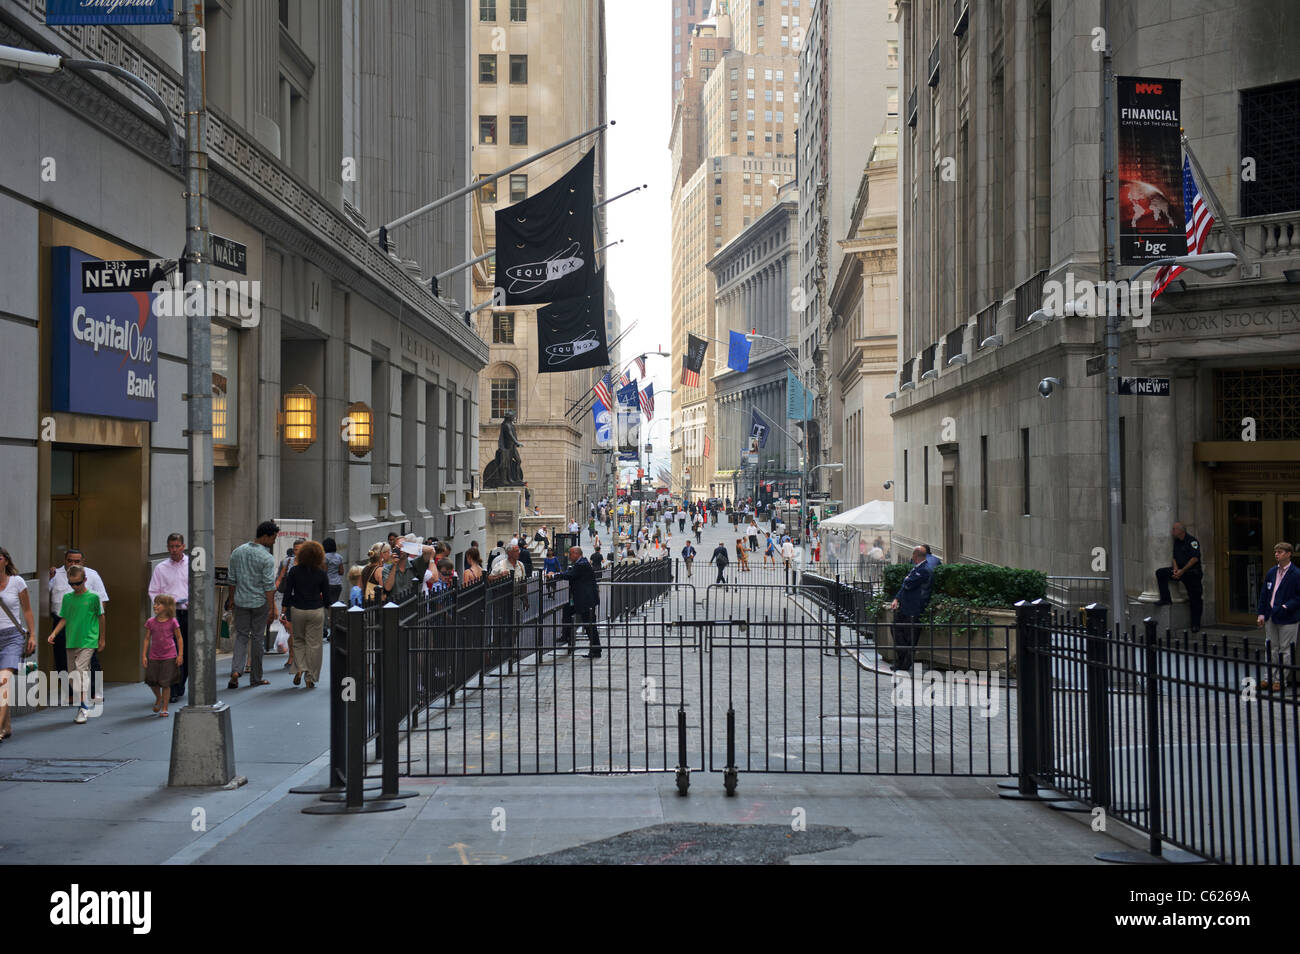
83	616
164	651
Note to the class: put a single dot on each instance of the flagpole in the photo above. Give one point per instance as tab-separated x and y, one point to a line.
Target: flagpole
381	233
1215	205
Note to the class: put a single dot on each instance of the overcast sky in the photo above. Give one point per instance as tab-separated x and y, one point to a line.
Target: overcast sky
638	33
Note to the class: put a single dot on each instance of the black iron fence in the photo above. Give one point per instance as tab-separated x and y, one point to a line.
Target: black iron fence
1181	737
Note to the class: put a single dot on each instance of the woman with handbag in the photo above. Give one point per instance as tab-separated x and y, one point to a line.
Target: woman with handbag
15	641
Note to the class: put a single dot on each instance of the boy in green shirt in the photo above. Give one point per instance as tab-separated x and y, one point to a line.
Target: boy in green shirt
83	615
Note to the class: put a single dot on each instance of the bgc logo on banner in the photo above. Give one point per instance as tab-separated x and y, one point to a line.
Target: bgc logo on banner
105	345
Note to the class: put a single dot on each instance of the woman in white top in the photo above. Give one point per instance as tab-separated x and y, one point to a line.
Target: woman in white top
16	641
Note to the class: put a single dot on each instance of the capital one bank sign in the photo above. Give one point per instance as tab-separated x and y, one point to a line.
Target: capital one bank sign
105	345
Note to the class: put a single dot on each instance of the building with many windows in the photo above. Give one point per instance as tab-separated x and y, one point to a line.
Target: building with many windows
1001	171
345	398
523	101
732	146
753	274
849	85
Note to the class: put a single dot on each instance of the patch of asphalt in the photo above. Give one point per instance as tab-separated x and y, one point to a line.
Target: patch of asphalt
697	843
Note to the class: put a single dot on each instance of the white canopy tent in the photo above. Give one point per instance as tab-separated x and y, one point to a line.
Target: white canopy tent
846	537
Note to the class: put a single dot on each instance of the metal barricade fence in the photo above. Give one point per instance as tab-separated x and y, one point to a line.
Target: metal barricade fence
1178	736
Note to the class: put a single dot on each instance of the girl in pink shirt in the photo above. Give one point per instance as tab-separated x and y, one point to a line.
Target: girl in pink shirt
164	651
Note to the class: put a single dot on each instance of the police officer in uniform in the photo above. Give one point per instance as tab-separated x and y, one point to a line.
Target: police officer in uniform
1186	569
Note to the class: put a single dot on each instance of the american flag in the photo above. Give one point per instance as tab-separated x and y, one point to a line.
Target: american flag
640	366
624	380
1199	221
648	401
602	391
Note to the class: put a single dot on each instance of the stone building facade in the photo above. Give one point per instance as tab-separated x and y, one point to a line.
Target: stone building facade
524	101
295	91
1007	96
753	274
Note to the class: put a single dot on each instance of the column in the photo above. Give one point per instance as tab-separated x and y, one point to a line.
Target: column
1159	456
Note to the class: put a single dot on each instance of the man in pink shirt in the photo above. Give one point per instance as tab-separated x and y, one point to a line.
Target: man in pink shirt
172	576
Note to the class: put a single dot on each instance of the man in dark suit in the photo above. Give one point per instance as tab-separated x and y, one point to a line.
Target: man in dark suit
909	604
1279	614
584	597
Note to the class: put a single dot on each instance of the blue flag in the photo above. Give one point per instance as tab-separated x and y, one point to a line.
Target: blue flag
798	401
738	352
604	422
628	396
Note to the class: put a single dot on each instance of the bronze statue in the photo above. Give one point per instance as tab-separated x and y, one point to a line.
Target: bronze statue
506	469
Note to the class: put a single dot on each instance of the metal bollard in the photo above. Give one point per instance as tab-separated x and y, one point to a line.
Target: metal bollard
1098	695
683	770
729	775
390	713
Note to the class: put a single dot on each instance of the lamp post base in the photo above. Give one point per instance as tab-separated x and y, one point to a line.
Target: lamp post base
203	746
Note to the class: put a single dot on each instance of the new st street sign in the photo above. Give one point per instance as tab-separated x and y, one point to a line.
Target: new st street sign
1147	387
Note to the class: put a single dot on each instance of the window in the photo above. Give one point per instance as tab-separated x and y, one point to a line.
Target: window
749	115
749	94
735	74
488	193
518	130
487	68
735	115
780	96
503	327
518	11
1024	461
487	11
225	385
487	130
735	94
984	472
717	221
767	115
505	396
780	76
925	475
761	20
518	68
891	100
518	187
780	116
891	54
1270	134
717	200
749	73
767	95
767	75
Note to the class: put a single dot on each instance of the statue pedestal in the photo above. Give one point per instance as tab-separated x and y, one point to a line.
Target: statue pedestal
554	523
504	507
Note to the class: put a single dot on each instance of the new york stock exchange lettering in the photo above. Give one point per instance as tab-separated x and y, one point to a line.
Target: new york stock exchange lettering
1279	318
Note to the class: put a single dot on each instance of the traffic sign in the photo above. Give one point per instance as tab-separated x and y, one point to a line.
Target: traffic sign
1096	365
1149	387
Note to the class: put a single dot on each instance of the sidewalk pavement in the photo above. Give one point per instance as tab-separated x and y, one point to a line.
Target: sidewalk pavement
126	814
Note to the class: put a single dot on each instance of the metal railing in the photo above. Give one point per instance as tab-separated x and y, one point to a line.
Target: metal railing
1180	737
986	324
1071	593
1029	297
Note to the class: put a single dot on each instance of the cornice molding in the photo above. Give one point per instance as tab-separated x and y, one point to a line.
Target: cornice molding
243	177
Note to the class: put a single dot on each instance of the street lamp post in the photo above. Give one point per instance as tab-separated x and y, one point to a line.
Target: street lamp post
1208	263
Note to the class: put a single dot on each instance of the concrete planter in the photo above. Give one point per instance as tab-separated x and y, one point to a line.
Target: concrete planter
992	649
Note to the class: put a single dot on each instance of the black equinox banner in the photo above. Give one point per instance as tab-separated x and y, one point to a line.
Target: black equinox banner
544	243
571	332
1151	223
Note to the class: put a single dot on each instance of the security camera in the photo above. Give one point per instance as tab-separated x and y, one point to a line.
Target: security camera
888	484
1047	386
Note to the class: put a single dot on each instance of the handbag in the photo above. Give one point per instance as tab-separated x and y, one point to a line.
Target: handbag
10	614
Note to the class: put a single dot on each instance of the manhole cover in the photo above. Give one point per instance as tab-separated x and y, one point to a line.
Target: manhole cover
57	770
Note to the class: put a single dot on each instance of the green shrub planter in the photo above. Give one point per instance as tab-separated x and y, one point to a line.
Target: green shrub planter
991	649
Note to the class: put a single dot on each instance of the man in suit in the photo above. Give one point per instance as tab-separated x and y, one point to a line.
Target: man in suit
584	597
909	603
1279	614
